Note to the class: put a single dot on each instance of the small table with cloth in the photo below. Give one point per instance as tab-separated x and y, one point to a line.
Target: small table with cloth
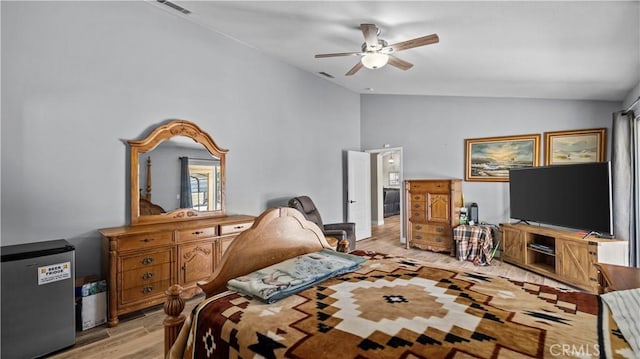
474	243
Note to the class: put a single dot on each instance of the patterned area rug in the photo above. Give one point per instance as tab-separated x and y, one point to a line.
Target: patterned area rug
395	307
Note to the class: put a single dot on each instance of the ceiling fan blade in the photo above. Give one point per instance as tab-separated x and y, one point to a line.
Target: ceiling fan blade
399	63
354	69
370	32
338	54
409	44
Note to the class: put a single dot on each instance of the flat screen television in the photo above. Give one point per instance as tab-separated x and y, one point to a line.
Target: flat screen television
576	196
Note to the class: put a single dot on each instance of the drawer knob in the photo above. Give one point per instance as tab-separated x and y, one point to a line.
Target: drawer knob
147	276
439	239
418	227
418	237
439	229
238	227
147	240
197	233
147	289
147	260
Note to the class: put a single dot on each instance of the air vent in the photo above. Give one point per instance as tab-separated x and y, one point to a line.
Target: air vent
175	6
326	74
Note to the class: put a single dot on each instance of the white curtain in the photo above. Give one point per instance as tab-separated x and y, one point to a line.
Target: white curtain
624	160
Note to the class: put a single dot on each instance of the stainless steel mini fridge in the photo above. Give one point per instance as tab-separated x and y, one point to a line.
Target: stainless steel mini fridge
38	308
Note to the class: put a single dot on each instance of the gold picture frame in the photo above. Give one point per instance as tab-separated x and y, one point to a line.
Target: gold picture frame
576	146
489	159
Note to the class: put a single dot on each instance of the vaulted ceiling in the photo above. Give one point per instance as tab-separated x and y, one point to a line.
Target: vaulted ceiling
528	49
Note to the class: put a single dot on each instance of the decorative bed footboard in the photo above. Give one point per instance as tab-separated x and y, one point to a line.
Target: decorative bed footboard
276	235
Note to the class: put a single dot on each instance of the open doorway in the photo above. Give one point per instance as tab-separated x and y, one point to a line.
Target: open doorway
387	190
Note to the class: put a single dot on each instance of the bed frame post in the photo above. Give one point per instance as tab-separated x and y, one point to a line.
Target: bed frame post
173	308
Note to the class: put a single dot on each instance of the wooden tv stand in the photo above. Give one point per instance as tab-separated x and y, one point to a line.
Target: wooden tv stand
562	255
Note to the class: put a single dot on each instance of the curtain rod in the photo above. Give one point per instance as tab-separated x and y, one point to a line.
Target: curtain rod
632	105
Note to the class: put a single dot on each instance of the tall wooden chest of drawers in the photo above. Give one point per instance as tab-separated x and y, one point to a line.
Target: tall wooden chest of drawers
433	209
140	262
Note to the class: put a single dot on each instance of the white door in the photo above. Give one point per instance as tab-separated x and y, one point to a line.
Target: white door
359	192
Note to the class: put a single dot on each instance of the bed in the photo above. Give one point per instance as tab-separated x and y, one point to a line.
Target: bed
389	307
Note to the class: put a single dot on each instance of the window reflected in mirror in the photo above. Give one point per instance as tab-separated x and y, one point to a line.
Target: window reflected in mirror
203	188
165	184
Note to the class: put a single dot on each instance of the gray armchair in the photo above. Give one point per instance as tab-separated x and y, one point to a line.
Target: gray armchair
345	233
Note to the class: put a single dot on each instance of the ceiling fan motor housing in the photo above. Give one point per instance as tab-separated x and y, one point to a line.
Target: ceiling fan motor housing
381	43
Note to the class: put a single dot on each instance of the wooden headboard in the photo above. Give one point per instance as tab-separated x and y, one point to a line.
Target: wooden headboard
276	235
147	208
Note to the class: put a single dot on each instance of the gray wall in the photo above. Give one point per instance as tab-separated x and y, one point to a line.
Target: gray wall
78	78
432	131
631	97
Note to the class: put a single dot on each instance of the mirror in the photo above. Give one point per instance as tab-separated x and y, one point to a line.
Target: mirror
177	173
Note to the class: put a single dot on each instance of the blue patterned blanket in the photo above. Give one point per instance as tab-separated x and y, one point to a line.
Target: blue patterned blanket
280	280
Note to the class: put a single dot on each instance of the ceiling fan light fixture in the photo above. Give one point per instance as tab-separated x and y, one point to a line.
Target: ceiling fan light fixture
374	60
375	51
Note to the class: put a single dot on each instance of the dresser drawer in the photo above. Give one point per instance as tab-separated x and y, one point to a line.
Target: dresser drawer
234	228
432	242
431	229
417	206
432	186
437	239
145	292
185	235
142	276
417	216
146	260
144	240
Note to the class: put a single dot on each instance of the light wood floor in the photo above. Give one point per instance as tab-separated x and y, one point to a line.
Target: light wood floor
141	335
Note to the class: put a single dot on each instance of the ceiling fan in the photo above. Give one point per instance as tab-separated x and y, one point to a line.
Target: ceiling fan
376	52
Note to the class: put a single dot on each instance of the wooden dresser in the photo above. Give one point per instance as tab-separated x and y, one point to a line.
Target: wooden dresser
142	261
432	211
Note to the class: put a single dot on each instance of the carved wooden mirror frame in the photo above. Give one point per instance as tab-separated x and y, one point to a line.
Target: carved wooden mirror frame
158	135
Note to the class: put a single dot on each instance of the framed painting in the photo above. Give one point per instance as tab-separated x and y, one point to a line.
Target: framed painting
490	159
578	146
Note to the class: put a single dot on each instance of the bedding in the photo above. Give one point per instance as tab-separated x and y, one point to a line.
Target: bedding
625	305
282	279
394	307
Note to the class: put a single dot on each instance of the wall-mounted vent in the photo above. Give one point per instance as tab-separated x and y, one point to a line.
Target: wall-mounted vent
175	6
326	74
